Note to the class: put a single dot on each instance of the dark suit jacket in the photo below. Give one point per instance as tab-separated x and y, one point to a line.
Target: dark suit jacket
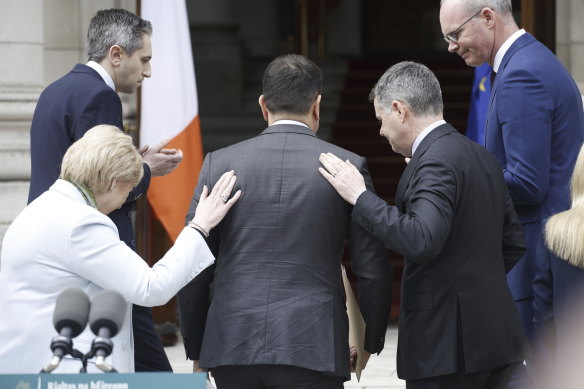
456	227
65	111
278	294
535	127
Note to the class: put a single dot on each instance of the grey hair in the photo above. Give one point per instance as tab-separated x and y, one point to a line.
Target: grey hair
115	27
413	84
502	7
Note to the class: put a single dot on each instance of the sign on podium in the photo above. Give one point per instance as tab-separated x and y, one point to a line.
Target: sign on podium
104	381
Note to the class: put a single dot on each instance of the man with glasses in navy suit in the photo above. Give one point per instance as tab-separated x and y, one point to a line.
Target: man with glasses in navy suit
534	127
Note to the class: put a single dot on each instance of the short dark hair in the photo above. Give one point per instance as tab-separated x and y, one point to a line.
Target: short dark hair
291	84
111	27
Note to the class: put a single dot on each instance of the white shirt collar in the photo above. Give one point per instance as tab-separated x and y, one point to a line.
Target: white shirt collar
504	47
103	73
423	134
285	121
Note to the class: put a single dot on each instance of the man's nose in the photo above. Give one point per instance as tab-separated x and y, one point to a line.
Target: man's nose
147	71
452	46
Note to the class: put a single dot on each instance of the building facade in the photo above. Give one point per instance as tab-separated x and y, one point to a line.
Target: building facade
232	42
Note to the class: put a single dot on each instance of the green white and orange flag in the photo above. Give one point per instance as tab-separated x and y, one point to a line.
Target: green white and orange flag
169	110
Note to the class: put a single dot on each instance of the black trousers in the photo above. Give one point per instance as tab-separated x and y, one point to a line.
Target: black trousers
149	355
273	377
496	378
486	379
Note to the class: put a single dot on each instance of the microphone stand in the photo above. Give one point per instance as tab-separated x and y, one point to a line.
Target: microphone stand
99	362
56	360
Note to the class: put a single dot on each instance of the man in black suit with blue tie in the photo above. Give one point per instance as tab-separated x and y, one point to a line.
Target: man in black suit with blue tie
119	49
456	226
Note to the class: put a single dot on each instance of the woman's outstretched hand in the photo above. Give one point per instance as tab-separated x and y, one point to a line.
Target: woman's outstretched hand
213	207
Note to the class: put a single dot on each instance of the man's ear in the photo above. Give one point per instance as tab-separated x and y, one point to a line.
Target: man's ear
115	55
489	16
401	109
316	108
262	104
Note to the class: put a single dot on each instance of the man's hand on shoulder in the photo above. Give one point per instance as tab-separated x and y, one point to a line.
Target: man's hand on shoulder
343	176
160	160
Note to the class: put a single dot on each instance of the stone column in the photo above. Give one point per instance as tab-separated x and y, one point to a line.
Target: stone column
21	81
570	38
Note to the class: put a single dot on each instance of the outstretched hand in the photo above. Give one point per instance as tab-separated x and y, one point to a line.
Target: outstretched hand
213	207
343	176
160	160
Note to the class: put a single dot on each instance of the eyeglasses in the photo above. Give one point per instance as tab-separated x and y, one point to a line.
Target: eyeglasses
453	36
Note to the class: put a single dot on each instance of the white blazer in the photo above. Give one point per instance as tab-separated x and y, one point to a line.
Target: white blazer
59	242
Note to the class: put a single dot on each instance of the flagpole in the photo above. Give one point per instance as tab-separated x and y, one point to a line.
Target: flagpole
143	211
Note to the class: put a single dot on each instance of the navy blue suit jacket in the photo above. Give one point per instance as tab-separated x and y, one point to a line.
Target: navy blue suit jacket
65	111
535	127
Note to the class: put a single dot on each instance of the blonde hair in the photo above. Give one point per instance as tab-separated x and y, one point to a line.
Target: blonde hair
102	154
564	231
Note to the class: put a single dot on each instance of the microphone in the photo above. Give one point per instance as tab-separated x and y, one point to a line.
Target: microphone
106	317
69	319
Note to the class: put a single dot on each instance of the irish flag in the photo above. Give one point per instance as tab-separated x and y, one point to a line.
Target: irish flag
169	110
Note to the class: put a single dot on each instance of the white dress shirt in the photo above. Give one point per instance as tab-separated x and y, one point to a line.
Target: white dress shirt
103	73
504	48
424	133
286	121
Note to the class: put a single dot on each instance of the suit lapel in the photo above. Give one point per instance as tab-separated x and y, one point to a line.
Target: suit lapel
404	181
521	42
403	184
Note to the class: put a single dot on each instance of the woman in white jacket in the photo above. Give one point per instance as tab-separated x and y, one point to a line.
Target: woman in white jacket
64	239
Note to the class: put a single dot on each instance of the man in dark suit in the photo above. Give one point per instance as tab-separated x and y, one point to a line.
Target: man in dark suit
277	316
456	227
119	49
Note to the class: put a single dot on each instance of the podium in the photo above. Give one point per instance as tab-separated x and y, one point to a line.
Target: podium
104	381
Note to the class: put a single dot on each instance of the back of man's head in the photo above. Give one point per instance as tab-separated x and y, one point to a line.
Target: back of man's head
410	83
115	27
291	84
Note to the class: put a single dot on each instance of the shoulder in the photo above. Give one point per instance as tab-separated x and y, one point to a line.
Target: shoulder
80	75
56	219
80	87
451	148
458	154
54	202
250	148
533	57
